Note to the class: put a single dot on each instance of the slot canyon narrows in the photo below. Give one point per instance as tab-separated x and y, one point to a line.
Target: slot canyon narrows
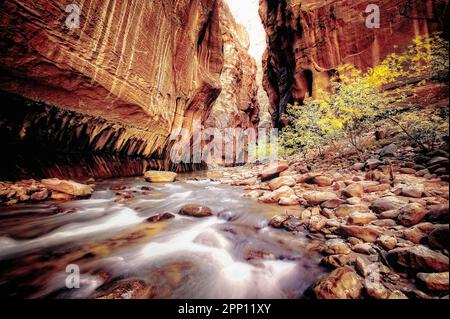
224	149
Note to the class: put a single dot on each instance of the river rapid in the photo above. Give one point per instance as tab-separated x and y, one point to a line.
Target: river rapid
120	253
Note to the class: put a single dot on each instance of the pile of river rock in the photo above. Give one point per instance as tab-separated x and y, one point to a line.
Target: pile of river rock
384	221
36	191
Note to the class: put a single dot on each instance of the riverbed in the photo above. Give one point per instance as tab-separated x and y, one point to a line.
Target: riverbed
120	253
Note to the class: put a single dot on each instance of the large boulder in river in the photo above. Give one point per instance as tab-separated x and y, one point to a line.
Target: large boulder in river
67	187
160	176
342	283
417	258
195	210
160	217
126	289
278	220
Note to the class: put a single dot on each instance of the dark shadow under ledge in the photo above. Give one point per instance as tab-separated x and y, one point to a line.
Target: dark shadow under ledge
41	141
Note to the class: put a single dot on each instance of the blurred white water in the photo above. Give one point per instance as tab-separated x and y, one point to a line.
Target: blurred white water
233	254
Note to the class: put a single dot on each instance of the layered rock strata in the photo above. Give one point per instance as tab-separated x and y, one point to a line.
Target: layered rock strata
237	105
133	72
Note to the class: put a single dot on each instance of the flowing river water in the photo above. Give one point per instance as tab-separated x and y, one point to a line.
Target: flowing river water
233	254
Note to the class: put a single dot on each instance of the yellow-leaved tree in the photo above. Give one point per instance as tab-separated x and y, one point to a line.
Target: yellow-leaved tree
359	99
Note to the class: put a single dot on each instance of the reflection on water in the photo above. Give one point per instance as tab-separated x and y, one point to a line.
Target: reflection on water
233	254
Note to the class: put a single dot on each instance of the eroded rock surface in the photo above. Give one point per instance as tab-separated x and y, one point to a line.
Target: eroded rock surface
237	104
133	72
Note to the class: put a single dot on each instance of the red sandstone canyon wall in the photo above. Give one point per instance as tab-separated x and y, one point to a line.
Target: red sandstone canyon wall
145	68
132	74
307	39
237	104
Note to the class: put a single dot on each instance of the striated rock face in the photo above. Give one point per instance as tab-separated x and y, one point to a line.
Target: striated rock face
265	117
308	39
237	104
132	74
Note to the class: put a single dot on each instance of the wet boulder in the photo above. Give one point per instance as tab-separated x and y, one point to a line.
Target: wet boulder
67	187
127	289
160	217
195	211
160	176
277	221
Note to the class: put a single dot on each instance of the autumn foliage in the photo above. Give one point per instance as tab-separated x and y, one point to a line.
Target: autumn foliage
358	100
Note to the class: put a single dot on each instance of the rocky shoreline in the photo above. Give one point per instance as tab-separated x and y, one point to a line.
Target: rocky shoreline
384	221
26	191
